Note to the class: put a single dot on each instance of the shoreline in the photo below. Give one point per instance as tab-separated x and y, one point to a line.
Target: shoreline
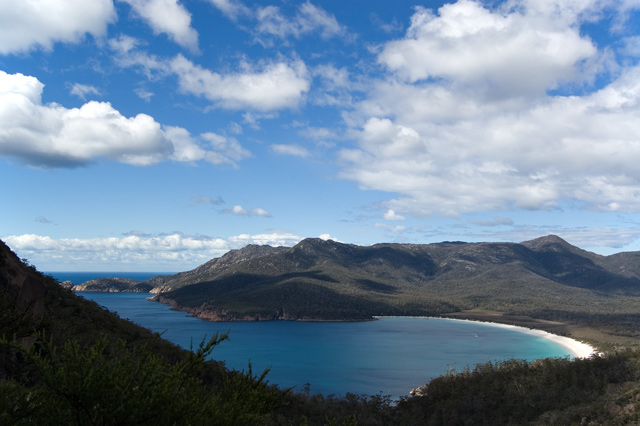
576	347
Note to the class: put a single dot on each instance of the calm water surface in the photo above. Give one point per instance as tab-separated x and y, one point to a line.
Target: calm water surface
389	356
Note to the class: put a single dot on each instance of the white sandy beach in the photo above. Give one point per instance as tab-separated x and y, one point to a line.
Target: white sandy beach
577	348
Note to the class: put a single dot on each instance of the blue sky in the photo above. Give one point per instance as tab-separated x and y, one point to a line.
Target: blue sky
153	135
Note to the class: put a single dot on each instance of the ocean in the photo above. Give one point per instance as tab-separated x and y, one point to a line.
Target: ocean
389	356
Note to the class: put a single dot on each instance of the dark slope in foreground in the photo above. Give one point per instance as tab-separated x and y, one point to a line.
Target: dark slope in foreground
66	361
545	278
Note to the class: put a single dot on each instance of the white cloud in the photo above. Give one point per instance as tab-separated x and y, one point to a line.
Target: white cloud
210	147
224	149
168	17
241	211
312	18
124	44
507	53
276	239
238	209
28	24
178	252
393	216
334	78
308	19
170	252
274	86
54	136
294	150
441	138
260	212
143	94
328	237
82	90
185	147
232	8
336	87
265	87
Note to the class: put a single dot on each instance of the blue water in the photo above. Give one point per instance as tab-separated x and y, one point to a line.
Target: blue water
389	356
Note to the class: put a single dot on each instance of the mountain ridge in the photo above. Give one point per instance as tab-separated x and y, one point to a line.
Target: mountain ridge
545	278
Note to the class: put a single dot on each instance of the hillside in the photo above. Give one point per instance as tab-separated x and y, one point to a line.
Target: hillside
545	279
66	360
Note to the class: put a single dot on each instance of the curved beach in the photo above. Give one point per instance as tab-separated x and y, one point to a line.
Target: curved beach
577	348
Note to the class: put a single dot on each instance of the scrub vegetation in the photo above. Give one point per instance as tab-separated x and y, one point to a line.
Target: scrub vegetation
65	360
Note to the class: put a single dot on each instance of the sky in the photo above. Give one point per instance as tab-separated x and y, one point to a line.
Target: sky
154	135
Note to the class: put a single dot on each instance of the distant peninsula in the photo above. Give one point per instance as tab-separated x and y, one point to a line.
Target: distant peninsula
544	283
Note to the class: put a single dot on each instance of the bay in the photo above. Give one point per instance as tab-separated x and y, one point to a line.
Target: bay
389	356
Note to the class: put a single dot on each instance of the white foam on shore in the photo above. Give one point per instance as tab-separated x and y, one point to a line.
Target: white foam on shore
577	348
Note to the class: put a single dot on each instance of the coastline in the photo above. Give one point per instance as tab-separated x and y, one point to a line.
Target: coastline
577	348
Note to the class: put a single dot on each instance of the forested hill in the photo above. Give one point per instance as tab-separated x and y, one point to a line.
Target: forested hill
544	278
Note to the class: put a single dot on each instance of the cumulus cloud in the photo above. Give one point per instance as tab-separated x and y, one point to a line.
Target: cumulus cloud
437	133
54	136
328	237
273	86
27	24
470	44
167	252
265	87
393	216
168	17
241	211
294	150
